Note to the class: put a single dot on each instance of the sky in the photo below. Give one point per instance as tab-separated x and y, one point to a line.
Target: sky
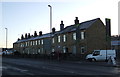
27	16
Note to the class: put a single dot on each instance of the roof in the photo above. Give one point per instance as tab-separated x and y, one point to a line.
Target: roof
82	25
115	42
35	38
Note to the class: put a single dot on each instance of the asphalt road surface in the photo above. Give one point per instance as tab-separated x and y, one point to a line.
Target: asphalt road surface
21	66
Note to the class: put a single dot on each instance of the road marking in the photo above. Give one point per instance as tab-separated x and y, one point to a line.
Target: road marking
17	69
62	70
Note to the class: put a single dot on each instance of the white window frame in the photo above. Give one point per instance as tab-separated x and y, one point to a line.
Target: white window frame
26	44
64	49
39	51
36	42
42	42
59	38
64	38
31	43
53	40
42	50
82	35
39	42
74	36
74	49
53	50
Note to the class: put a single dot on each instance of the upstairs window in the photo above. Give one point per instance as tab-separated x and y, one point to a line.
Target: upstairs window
74	36
39	42
64	38
82	35
42	41
26	43
58	38
31	43
53	40
36	42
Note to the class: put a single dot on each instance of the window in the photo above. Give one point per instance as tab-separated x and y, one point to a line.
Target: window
42	51
82	50
39	42
38	50
53	50
74	49
26	43
42	41
33	42
95	53
64	38
64	50
28	51
21	45
53	40
36	42
58	38
74	36
82	35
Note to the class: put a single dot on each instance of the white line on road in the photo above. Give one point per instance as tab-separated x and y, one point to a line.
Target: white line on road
18	69
62	70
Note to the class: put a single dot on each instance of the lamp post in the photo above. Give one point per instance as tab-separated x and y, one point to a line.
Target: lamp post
6	37
50	28
50	18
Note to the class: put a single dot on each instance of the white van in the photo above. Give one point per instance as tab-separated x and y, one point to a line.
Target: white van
101	55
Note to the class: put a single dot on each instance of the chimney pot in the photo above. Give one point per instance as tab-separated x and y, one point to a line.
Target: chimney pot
35	34
53	30
76	20
61	26
40	33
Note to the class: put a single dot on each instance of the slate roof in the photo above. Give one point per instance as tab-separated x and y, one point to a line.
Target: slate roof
82	25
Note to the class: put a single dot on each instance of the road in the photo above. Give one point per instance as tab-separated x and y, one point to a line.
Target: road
21	66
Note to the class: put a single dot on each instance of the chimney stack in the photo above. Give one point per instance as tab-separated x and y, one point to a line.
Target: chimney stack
108	33
40	33
35	34
18	39
53	30
76	21
26	36
29	35
108	26
61	26
22	37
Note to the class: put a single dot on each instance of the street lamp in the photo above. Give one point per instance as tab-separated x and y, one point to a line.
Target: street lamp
6	37
50	27
50	18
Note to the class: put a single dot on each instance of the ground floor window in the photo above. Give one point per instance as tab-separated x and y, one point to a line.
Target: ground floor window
39	50
53	50
64	50
74	49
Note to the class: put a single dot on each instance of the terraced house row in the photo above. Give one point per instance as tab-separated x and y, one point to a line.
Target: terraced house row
78	39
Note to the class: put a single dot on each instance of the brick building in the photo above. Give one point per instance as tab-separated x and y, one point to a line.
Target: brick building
78	39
